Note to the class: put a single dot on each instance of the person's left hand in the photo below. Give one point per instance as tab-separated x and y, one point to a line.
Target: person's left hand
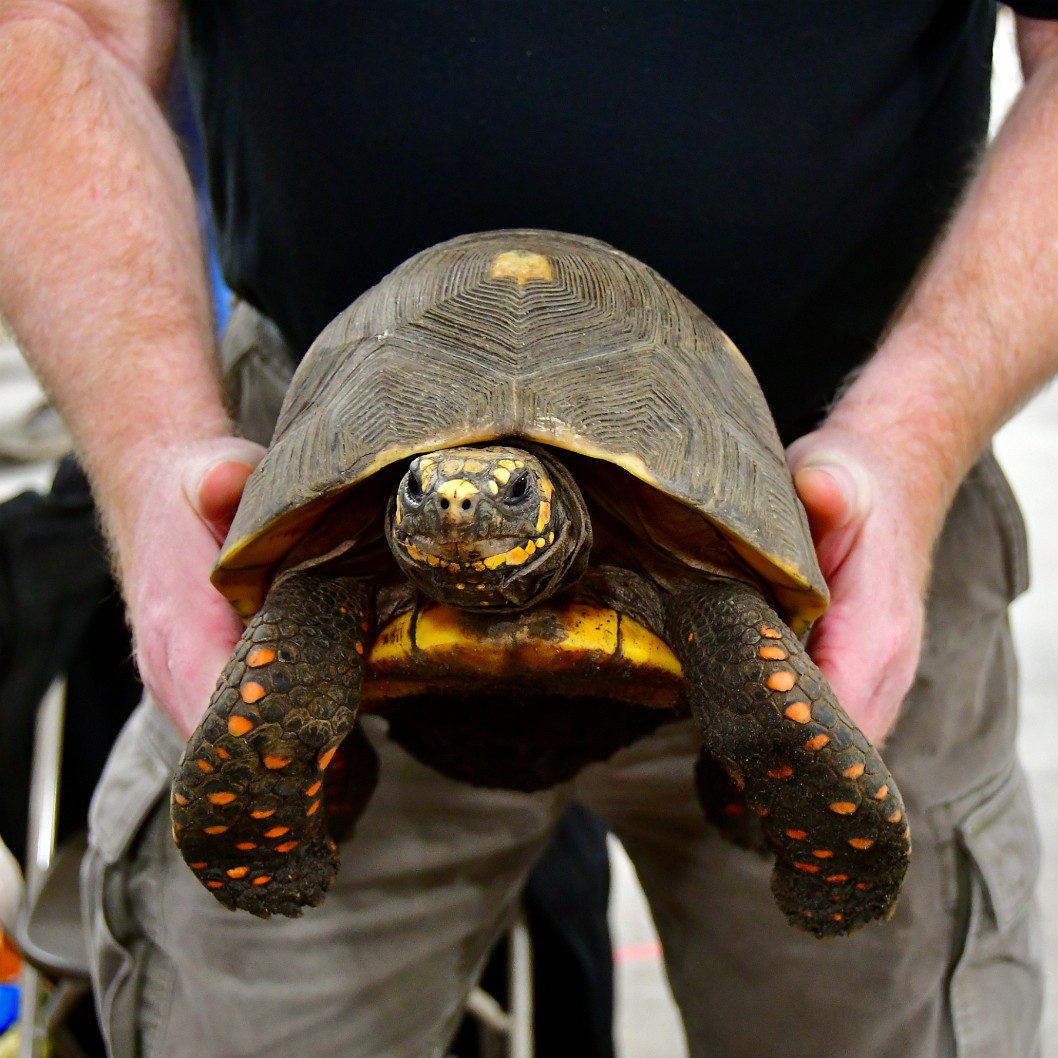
875	555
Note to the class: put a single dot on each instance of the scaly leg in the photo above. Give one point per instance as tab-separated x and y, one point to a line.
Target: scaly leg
247	805
828	807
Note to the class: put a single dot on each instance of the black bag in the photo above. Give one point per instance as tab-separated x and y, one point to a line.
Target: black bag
60	612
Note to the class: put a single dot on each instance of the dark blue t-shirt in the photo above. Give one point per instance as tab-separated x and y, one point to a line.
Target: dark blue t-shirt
785	165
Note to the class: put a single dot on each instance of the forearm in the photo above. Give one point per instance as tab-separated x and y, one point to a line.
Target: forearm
979	332
101	271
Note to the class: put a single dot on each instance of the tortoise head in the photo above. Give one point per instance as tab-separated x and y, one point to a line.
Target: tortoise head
490	527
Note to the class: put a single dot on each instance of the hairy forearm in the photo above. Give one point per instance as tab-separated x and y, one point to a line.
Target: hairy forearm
979	331
101	272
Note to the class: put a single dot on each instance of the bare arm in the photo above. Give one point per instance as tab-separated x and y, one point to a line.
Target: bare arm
102	278
977	336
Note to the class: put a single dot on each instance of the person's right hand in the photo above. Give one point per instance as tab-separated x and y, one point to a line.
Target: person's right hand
184	631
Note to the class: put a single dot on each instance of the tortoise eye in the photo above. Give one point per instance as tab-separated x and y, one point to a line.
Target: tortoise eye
413	486
519	488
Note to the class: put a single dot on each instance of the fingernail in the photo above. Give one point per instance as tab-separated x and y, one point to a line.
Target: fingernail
231	450
851	478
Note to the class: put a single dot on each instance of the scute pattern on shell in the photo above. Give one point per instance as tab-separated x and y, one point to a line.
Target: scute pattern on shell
606	359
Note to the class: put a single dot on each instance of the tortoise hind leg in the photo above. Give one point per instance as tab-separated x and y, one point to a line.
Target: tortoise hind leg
248	804
828	807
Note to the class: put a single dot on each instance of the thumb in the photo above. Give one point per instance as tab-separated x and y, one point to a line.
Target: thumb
836	492
214	484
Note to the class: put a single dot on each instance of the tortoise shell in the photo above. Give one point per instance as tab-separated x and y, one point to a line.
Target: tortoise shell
543	337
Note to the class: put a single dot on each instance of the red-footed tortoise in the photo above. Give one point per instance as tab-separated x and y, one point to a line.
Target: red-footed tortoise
528	502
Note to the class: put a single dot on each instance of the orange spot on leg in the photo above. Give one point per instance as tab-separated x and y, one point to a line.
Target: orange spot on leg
200	866
277	832
260	656
262	813
822	854
204	765
781	681
810	868
327	756
312	808
262	879
239	725
770	633
861	843
220	798
784	772
214	885
836	879
797	835
817	743
246	846
896	816
882	793
314	788
798	712
842	808
286	846
274	762
252	692
238	872
773	653
180	799
215	830
854	772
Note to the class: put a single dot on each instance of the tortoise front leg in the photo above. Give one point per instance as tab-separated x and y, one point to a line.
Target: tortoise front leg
247	801
828	807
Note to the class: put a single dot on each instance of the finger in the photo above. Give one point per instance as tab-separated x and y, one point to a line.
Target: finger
214	489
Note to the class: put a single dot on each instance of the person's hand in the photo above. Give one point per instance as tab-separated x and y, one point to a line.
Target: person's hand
875	555
183	630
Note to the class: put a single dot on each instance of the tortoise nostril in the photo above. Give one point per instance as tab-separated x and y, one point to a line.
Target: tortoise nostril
444	505
466	505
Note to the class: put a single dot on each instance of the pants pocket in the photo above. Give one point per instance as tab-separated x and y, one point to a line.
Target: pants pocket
996	987
135	781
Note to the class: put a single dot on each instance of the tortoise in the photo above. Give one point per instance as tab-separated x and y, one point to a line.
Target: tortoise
528	502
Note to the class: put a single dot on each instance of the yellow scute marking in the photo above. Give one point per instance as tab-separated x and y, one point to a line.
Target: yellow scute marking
645	649
521	266
394	642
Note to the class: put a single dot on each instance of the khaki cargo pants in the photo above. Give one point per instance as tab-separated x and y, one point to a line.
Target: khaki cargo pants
382	969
